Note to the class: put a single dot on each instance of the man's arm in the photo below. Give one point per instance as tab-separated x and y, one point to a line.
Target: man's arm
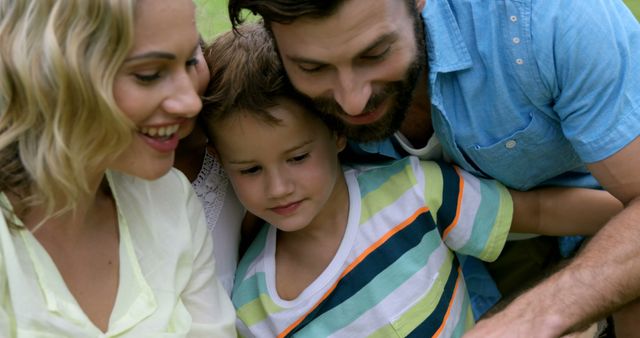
561	211
601	279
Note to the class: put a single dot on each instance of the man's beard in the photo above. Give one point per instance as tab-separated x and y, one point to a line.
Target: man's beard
400	93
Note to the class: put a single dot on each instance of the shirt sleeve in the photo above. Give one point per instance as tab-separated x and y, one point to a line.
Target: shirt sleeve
588	53
204	297
472	214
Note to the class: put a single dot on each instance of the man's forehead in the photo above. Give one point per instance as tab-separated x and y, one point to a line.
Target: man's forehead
355	27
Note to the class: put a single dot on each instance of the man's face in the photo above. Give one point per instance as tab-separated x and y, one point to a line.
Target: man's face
360	64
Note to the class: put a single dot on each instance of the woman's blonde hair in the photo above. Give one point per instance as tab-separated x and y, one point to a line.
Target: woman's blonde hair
58	119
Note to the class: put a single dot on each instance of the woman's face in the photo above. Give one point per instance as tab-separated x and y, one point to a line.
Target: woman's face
157	86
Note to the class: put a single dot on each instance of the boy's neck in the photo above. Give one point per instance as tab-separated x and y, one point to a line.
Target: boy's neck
301	256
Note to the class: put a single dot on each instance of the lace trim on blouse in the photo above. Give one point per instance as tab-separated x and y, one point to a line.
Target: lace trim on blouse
211	188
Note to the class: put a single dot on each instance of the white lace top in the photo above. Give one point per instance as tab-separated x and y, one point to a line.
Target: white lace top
224	214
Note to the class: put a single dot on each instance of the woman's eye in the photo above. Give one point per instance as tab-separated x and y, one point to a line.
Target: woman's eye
146	78
192	62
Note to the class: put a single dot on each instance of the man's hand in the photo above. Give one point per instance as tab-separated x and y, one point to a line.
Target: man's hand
518	320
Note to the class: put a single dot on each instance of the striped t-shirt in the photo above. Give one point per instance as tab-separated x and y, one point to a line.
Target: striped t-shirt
394	274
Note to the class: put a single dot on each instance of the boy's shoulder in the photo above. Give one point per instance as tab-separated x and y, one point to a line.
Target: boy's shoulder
362	167
410	163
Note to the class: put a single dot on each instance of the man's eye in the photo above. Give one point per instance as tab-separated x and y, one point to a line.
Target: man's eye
376	55
146	78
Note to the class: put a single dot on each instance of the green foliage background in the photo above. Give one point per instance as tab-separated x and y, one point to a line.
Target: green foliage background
213	18
635	7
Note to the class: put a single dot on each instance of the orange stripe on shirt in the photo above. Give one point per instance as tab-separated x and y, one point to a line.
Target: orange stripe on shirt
453	224
357	261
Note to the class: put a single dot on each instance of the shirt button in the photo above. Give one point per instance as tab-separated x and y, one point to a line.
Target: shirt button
510	144
513	18
519	61
516	40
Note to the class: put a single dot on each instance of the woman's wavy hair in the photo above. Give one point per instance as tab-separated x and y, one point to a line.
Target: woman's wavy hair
59	123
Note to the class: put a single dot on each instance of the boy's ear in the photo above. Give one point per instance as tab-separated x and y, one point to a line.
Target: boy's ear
341	141
420	5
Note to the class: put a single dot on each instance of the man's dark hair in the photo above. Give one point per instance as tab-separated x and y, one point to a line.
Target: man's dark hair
281	11
287	11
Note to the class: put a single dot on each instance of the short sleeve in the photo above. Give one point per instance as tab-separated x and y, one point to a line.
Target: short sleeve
589	55
472	214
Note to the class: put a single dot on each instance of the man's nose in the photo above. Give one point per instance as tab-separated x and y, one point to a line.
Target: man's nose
352	92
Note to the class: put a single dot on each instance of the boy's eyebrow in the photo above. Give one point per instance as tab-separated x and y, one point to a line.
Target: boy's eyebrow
290	150
385	38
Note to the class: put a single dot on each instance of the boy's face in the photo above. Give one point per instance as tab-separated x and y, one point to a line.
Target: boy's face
286	173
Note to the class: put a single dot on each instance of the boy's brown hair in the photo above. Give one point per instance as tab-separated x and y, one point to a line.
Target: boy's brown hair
247	76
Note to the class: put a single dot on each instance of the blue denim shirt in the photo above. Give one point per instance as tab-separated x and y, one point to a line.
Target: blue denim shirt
528	92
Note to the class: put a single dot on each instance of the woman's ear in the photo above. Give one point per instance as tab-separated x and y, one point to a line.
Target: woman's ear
420	5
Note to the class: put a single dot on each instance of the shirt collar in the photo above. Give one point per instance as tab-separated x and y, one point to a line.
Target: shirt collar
445	46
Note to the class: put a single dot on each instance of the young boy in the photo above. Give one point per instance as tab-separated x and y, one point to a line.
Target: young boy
351	252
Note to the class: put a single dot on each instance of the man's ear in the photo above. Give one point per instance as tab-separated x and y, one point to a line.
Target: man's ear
420	5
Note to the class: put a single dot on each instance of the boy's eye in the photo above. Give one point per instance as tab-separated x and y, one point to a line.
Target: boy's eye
146	78
310	67
249	171
300	158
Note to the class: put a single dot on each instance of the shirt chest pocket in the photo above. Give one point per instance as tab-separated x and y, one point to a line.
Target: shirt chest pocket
527	156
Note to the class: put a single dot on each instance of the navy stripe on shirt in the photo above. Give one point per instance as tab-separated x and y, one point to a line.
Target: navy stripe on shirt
376	262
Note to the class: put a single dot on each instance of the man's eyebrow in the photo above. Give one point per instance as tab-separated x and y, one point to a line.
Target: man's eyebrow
385	38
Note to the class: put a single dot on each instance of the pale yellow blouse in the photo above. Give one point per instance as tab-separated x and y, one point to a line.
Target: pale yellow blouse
167	284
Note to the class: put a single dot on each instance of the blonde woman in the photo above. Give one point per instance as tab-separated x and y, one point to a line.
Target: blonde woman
99	236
